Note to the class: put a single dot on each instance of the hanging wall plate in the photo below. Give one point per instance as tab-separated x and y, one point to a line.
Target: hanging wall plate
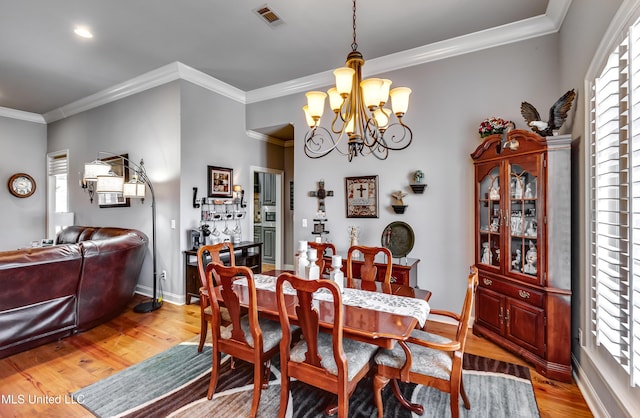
399	238
21	185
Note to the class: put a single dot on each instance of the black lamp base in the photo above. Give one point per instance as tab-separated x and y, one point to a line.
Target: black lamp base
146	307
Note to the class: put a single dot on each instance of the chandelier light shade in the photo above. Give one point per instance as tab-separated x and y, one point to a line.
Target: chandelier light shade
361	117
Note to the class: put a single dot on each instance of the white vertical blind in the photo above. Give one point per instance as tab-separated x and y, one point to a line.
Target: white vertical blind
615	206
58	164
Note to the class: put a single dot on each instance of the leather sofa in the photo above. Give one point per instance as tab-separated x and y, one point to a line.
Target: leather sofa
86	278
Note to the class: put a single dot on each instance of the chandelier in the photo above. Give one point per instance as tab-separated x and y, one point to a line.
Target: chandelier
360	116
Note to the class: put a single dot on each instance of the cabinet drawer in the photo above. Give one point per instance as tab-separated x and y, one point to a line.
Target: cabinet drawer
517	292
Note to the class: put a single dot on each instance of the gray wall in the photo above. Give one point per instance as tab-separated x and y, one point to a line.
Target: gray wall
147	126
447	105
23	149
180	128
580	37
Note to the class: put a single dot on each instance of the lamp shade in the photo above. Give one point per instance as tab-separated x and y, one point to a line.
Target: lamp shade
381	115
344	80
371	88
335	100
109	184
134	189
308	117
400	100
315	101
94	169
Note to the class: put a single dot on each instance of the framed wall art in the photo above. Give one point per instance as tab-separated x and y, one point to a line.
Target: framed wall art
362	196
220	181
120	167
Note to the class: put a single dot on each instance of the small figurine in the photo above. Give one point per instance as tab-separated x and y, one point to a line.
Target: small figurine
494	225
531	260
494	193
528	192
532	230
397	197
486	254
516	188
418	176
515	264
353	235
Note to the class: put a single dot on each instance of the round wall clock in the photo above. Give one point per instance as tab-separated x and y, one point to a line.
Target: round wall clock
22	185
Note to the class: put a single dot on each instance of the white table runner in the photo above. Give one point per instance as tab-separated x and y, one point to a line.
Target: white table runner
383	302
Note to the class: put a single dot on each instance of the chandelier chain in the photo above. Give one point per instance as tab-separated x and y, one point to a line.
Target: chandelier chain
354	45
360	118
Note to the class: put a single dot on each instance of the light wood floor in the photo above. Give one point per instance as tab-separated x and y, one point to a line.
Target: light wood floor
57	369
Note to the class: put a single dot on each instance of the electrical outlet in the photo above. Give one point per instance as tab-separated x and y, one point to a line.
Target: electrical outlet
163	275
580	341
304	223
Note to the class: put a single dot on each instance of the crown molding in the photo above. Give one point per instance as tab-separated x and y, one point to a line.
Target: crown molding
541	25
21	115
154	78
534	27
270	139
151	79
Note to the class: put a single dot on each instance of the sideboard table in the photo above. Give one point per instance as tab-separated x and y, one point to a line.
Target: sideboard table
247	253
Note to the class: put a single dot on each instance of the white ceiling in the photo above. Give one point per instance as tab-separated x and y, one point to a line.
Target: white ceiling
44	66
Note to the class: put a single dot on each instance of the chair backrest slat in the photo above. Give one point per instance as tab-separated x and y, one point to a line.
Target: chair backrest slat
307	313
368	270
213	250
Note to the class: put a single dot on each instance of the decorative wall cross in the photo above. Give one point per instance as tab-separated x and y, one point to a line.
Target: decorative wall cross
321	193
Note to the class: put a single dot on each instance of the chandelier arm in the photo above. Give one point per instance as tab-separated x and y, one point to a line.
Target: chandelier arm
314	139
338	117
406	133
368	132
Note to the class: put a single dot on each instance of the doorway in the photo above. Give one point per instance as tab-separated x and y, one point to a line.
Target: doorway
266	214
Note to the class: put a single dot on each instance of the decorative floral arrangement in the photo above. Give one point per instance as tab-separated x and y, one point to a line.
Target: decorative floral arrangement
492	126
418	176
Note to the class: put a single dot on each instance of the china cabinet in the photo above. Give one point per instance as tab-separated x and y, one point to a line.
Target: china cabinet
522	246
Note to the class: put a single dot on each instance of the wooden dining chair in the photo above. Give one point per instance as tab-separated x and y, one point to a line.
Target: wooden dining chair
213	251
248	337
323	360
321	248
428	359
368	269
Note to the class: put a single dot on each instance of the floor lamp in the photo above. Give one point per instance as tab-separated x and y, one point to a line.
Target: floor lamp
107	182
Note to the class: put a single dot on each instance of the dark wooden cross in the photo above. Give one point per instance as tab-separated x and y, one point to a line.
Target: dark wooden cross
361	189
321	193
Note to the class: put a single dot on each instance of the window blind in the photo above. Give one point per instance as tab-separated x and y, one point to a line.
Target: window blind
615	205
58	164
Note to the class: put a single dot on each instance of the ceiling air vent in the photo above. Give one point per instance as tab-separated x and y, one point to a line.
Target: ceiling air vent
268	16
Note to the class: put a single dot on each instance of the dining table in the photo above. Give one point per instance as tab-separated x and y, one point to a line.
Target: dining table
374	312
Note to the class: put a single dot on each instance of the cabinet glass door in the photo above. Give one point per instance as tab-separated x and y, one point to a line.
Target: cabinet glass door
523	220
490	215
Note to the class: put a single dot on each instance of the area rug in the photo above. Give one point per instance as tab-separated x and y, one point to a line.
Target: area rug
174	384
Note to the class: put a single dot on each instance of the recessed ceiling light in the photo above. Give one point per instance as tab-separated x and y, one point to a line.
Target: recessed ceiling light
83	32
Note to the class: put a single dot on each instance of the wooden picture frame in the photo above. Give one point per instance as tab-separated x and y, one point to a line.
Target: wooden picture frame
219	181
120	167
361	195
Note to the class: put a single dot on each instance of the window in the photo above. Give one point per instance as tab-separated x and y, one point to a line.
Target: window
58	215
615	204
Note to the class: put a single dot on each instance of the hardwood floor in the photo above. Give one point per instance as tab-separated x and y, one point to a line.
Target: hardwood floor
39	381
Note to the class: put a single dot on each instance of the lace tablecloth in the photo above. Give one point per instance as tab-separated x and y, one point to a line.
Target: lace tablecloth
383	302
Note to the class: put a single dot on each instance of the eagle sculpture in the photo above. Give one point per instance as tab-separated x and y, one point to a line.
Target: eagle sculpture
557	115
